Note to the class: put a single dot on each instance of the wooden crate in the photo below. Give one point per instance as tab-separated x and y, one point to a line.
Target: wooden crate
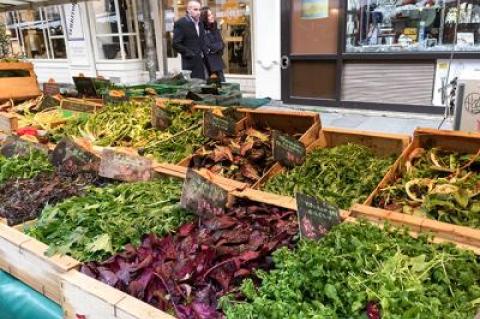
87	298
18	87
24	258
429	138
306	123
382	144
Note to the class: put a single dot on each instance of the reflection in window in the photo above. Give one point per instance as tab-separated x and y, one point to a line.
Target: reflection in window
391	26
37	34
116	27
234	18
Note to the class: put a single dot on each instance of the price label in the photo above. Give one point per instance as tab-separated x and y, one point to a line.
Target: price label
203	197
215	126
47	102
315	217
125	167
51	88
160	118
76	157
287	150
15	146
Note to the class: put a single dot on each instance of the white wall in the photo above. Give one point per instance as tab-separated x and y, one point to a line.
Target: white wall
267	43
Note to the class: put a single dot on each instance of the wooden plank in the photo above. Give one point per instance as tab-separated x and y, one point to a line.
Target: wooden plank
80	105
24	258
19	87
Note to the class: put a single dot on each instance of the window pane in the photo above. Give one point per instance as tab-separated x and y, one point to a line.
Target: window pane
314	26
34	43
130	45
16	47
109	48
29	16
54	20
426	26
105	16
313	79
58	49
127	16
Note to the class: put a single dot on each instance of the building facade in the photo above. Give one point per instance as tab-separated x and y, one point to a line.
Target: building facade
374	54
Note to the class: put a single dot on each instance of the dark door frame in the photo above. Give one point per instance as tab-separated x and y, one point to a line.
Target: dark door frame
339	58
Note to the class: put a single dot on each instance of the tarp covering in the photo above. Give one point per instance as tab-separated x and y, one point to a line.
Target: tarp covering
18	301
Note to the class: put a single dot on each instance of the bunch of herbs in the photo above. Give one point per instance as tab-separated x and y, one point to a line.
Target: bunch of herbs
104	220
362	271
341	175
24	167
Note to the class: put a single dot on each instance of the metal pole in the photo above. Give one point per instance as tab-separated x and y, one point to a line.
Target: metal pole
151	54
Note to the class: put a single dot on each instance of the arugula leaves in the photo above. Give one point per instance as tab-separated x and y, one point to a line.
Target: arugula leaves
24	167
357	265
100	223
341	175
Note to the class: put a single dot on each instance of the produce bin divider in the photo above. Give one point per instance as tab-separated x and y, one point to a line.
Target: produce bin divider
8	122
428	138
81	105
24	258
380	143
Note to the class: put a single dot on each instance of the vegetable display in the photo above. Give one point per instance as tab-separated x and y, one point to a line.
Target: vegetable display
437	184
24	167
103	220
342	175
362	271
185	273
129	125
23	199
245	158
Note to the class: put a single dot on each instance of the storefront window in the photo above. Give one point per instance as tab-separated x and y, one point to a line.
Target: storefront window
116	29
37	34
234	18
412	26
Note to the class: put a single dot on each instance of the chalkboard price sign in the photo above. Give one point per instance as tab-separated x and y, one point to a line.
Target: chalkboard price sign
215	126
315	217
51	88
203	197
287	150
160	118
15	146
85	86
71	154
125	167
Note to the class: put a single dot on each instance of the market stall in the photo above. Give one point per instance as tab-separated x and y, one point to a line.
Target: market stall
110	226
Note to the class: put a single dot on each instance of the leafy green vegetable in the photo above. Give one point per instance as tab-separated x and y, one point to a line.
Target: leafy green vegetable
356	265
23	167
129	125
437	184
341	175
101	222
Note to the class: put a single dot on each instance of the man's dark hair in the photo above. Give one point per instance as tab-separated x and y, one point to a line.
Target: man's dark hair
204	19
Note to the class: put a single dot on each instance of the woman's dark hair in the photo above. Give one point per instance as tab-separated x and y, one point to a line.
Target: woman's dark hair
204	19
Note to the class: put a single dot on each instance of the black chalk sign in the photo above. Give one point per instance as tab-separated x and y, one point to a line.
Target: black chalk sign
215	126
15	146
70	154
85	86
315	217
203	197
160	118
287	150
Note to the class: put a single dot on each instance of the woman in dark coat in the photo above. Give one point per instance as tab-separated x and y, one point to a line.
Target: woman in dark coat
213	45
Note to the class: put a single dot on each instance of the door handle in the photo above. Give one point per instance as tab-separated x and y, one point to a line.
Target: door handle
284	62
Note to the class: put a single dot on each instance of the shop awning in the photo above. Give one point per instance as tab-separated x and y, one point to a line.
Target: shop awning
11	5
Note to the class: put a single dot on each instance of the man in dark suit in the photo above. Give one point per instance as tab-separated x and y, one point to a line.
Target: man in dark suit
188	35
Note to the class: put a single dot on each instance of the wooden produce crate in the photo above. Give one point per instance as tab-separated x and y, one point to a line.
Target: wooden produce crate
382	144
306	123
24	258
18	81
429	138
